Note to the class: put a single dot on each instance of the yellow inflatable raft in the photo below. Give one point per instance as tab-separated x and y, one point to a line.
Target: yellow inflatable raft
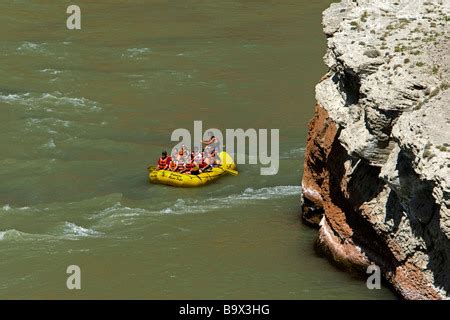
177	179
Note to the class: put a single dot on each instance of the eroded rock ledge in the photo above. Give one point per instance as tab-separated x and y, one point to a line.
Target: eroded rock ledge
376	173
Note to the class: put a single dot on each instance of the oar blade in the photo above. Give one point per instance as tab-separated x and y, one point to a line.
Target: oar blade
232	172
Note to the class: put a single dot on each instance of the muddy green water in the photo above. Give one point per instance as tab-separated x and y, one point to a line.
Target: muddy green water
84	112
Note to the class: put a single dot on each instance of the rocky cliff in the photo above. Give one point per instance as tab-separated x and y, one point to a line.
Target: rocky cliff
376	173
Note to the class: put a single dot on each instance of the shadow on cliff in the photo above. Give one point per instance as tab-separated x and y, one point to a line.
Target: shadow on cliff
349	191
350	84
419	205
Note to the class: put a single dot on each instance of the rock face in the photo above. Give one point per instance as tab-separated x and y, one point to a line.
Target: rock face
376	173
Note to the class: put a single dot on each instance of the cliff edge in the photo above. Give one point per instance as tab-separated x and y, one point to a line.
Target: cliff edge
377	165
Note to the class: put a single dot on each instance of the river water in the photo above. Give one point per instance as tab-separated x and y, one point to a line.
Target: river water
85	111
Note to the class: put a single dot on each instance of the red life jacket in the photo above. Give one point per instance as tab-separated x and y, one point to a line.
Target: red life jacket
190	165
203	163
163	162
172	165
181	165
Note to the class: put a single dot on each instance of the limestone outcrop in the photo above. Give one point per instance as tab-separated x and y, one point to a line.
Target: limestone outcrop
377	164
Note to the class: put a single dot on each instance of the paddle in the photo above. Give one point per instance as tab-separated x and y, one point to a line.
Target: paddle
230	171
151	168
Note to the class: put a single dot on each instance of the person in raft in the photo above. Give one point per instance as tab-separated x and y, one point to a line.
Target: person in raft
211	143
178	162
210	161
173	165
193	163
164	161
191	166
214	156
183	160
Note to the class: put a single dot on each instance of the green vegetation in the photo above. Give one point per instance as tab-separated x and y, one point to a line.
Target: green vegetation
420	64
406	61
355	25
403	22
430	39
372	53
435	69
398	48
364	16
442	148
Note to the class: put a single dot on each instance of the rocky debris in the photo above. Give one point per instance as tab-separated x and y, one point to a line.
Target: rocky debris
377	171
